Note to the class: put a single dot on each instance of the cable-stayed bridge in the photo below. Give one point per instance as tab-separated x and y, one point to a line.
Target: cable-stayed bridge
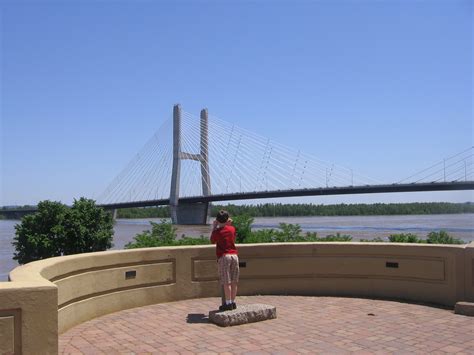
192	161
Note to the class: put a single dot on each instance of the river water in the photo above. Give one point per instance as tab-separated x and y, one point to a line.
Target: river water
368	227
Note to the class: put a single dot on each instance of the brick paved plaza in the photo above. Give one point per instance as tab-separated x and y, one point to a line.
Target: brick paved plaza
304	325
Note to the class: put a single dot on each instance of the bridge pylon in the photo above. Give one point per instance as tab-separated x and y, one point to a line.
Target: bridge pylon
189	213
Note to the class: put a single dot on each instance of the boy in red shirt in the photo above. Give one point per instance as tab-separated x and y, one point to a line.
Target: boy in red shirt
223	235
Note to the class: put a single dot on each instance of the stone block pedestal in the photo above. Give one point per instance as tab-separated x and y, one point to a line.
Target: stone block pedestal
244	314
464	308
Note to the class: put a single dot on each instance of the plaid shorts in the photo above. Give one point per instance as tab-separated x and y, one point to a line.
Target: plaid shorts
228	267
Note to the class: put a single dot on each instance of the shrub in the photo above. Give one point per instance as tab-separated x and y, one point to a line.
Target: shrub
164	234
243	227
292	233
336	238
442	237
202	240
261	236
161	234
405	238
374	240
288	232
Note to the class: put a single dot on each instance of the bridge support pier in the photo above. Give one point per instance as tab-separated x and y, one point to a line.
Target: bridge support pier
189	213
192	213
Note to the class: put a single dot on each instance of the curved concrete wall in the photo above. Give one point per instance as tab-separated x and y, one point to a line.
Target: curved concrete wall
47	297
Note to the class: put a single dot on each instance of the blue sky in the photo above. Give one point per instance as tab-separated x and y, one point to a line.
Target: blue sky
383	87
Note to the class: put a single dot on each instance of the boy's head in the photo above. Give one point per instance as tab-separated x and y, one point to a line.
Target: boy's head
222	216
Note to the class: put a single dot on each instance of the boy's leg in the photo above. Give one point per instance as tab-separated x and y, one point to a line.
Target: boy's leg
224	278
235	271
227	292
233	290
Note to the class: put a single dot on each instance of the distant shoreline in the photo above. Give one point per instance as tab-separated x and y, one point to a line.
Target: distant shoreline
306	210
312	210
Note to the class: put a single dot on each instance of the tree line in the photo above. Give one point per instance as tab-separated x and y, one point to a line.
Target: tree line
308	209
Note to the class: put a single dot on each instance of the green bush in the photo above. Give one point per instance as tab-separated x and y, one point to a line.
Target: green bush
405	238
262	236
288	233
335	238
202	240
292	233
442	237
164	234
161	234
242	224
374	240
56	230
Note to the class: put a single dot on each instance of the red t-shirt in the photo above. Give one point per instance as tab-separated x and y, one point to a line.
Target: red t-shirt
224	238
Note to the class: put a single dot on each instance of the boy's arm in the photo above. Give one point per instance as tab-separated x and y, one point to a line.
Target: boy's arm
213	234
213	237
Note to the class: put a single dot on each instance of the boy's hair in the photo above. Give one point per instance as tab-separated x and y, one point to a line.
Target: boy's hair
222	216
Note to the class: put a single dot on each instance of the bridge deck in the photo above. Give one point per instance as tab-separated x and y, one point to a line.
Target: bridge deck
322	191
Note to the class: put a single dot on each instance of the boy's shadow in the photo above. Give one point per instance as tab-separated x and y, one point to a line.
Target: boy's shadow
197	318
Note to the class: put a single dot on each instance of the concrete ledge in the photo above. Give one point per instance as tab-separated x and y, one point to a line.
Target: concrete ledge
87	286
243	314
464	308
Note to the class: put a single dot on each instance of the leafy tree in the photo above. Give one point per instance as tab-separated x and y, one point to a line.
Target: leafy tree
39	235
56	230
86	228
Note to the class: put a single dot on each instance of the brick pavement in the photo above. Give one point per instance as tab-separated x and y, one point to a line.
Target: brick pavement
304	325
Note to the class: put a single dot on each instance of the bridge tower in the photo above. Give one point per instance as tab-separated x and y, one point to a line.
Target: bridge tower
189	213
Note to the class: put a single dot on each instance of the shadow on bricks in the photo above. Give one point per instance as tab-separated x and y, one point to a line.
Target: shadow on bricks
194	318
